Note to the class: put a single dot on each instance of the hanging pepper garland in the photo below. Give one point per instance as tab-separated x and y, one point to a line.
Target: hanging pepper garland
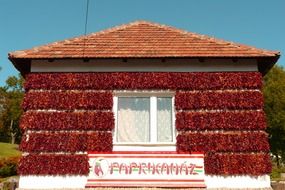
219	100
103	100
67	142
237	164
99	120
67	100
147	80
226	153
35	164
222	142
225	120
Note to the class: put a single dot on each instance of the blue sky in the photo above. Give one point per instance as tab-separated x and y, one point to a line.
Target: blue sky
28	23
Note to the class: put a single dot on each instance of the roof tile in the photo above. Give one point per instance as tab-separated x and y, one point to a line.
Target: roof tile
142	39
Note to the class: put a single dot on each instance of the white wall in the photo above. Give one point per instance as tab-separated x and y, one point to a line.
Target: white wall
50	182
143	65
53	182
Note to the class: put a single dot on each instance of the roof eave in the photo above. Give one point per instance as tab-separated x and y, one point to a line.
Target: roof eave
22	65
265	63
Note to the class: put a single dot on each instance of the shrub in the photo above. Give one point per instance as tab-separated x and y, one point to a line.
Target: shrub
8	166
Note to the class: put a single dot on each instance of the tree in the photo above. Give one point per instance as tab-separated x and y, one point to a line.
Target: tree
11	96
274	94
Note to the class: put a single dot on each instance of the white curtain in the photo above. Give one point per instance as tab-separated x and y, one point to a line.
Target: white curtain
164	120
133	119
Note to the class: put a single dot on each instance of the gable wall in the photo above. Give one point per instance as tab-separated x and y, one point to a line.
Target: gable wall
219	113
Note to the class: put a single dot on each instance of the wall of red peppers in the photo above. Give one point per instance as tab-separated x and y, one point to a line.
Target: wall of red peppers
220	114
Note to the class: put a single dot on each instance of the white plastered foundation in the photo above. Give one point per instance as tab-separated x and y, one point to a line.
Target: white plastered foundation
78	182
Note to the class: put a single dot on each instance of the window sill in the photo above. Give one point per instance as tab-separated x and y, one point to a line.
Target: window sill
145	144
144	147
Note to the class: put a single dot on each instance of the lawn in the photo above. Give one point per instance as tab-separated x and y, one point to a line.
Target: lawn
9	150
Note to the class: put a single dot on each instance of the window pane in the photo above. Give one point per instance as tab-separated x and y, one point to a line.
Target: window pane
133	119
164	120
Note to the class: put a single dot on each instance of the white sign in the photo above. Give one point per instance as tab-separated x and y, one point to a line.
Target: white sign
146	169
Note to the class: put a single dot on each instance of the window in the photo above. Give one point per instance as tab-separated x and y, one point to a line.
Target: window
144	119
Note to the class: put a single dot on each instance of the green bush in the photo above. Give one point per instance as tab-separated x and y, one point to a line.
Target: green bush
275	174
8	166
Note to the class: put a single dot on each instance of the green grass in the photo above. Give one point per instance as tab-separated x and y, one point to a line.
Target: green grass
9	150
276	172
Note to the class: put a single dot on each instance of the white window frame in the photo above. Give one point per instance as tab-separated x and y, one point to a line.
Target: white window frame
153	145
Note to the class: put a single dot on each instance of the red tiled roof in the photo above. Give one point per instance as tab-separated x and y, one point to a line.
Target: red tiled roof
141	39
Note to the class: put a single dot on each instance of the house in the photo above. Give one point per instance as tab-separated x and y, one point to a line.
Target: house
144	87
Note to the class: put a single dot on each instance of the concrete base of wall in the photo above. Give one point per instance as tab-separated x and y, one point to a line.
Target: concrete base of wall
238	182
160	189
79	182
